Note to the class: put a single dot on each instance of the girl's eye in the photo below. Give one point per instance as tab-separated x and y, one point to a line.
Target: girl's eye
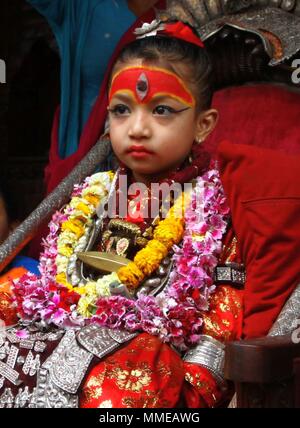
119	110
164	110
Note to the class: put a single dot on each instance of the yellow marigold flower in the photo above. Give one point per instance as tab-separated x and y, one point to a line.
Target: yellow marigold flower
97	189
73	227
80	290
149	259
77	221
131	275
111	175
169	232
65	250
92	199
84	208
158	247
178	209
62	279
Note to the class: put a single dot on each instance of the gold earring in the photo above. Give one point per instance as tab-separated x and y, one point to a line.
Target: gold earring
199	140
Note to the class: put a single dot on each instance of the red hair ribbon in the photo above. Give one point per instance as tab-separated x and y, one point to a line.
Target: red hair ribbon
182	31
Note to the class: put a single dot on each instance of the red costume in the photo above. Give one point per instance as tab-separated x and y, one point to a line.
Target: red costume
262	187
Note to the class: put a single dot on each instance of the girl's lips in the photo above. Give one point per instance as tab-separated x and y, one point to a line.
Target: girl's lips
139	151
139	155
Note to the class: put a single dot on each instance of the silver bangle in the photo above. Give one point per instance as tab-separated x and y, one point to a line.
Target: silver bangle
210	354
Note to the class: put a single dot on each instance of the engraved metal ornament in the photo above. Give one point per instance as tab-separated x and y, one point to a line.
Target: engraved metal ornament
289	316
209	353
280	18
68	364
283	25
47	395
204	11
101	341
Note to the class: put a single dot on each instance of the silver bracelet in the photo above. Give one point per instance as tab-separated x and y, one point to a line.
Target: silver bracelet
210	354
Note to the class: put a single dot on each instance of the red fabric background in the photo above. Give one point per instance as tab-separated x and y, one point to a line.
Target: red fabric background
263	190
261	115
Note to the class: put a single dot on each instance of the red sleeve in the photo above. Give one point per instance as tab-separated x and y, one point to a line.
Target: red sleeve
263	189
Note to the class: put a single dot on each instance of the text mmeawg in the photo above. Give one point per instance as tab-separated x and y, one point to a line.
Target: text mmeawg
2	71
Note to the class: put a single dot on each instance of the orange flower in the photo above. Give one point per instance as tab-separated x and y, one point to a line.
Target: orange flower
149	259
131	275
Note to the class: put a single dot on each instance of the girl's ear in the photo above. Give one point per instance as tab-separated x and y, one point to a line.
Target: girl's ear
206	123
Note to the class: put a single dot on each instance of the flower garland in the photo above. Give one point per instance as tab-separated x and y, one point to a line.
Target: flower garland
69	233
50	297
175	315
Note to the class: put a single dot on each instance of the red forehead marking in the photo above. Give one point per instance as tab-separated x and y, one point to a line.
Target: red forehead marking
144	83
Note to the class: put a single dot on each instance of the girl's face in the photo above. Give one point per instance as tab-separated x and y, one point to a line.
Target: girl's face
153	120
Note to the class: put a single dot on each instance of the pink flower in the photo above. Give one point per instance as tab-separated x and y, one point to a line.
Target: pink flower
22	334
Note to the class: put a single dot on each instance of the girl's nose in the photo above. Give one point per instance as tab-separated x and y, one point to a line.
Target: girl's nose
139	125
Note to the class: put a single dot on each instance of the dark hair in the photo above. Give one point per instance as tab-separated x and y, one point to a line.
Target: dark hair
176	51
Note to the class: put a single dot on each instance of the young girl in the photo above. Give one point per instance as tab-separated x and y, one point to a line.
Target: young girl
153	326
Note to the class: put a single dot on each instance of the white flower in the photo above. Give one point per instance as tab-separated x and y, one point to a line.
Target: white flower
148	30
61	263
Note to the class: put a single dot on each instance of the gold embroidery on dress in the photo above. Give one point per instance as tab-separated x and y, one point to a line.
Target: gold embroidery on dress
148	399
96	381
164	370
4	301
106	405
189	378
224	307
201	384
133	380
142	344
90	394
226	323
174	373
93	389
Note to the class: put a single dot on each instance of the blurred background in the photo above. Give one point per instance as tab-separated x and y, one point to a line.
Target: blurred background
27	101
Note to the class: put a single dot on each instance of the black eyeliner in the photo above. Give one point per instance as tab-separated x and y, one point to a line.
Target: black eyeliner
180	111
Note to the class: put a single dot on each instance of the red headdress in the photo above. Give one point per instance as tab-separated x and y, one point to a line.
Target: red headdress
178	30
